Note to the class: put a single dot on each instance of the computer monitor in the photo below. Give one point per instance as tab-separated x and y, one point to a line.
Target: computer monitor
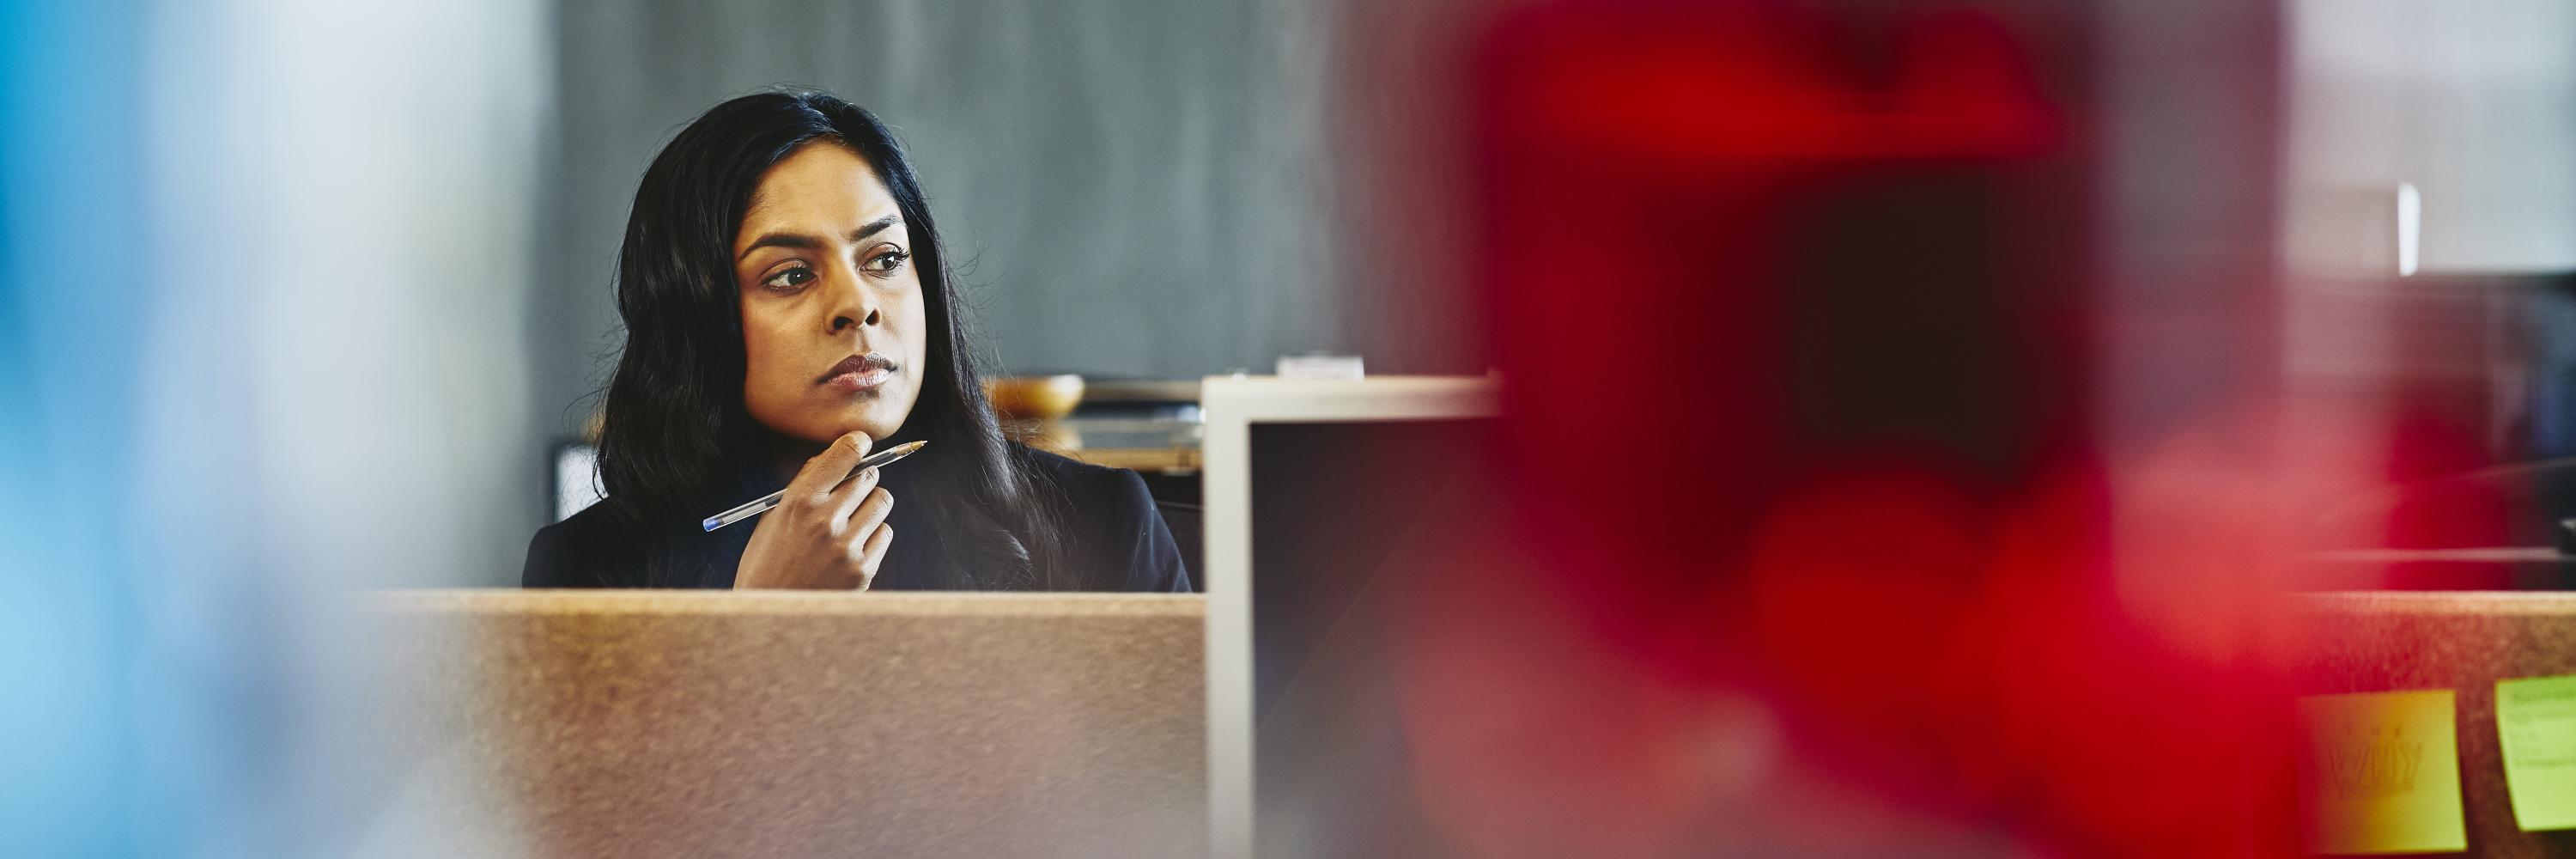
1315	491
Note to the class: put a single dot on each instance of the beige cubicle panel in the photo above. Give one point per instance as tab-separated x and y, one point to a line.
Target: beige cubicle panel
639	724
2463	642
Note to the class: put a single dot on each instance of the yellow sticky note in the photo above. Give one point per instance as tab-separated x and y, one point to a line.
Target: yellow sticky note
2536	727
2382	773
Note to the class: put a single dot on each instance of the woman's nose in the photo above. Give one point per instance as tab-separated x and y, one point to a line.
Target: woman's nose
842	321
852	305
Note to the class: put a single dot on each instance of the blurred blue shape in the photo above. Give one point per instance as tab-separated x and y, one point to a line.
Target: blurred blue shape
74	250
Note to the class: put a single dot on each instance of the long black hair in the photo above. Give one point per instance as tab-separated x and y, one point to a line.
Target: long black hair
676	432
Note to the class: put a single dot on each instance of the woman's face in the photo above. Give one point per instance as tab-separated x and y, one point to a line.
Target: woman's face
833	330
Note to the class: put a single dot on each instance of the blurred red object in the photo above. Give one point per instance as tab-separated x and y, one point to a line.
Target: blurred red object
1815	290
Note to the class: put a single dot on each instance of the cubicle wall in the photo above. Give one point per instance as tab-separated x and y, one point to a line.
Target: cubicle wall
638	724
2461	643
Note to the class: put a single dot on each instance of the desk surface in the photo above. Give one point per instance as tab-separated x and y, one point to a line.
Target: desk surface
636	723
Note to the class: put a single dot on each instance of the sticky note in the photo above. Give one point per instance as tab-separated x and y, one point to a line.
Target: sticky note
2536	728
2382	773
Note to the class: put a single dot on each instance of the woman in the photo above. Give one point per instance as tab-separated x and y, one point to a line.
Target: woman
787	310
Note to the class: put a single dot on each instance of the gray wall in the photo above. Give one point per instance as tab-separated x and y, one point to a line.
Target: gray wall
2471	101
1130	188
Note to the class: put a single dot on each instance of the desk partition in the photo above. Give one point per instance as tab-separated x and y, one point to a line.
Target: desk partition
643	724
2461	643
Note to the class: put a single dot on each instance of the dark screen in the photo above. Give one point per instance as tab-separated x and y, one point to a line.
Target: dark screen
1340	512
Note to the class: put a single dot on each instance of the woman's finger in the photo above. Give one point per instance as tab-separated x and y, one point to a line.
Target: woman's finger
846	500
872	553
871	511
824	472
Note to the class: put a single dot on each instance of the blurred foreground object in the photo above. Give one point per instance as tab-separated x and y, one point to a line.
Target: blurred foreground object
1904	548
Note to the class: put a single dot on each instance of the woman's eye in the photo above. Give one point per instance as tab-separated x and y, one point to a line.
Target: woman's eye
889	262
789	279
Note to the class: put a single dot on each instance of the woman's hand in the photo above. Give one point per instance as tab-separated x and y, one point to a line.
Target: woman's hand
826	533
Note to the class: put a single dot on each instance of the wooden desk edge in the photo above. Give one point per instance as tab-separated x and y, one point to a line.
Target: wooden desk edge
1136	458
2439	602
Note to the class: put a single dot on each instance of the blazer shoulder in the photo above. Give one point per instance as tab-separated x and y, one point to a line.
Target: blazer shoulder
1116	531
569	554
1077	477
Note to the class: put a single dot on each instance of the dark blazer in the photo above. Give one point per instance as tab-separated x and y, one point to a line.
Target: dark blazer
1115	540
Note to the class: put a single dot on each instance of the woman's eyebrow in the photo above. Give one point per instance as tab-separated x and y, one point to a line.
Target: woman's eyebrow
802	241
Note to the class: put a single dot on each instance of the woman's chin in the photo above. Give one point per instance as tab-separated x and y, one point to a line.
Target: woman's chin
821	430
876	419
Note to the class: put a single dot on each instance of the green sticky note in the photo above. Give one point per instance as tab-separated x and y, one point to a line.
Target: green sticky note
2536	727
2382	773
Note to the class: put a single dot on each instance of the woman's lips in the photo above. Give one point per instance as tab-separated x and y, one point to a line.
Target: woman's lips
858	373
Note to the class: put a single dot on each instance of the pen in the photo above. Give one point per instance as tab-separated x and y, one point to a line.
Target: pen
762	504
